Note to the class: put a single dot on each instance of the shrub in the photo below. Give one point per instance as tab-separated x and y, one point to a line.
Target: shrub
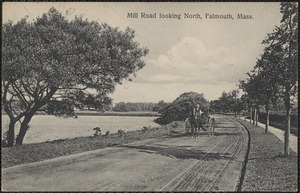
97	131
120	133
145	128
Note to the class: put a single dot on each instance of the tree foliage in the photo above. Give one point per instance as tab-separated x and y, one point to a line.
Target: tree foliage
181	108
160	106
60	63
227	103
276	72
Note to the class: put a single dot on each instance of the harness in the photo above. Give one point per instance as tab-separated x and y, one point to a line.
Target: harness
196	118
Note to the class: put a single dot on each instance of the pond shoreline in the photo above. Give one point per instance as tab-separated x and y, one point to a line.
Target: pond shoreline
48	127
34	152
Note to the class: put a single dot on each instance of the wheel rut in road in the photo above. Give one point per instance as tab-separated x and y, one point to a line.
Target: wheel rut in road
205	174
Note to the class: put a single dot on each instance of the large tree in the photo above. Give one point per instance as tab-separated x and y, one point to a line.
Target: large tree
282	49
252	88
54	64
268	90
261	90
181	108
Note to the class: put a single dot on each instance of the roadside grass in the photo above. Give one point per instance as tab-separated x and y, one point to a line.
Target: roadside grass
267	169
29	153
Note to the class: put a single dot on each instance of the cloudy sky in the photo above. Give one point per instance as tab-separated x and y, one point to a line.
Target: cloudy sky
203	55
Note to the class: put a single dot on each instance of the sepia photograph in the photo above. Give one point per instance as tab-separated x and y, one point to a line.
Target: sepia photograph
149	96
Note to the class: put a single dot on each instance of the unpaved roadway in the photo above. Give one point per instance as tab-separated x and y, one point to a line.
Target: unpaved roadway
178	163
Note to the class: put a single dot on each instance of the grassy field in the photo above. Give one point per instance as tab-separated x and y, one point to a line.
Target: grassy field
28	153
267	169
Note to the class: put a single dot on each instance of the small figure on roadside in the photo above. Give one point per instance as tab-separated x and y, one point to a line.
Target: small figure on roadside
97	131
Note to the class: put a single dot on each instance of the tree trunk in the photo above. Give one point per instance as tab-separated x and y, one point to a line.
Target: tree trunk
250	114
267	118
288	99
23	128
256	118
288	125
29	114
235	114
11	133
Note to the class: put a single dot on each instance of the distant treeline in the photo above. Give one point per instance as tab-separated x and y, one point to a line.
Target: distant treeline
114	113
126	107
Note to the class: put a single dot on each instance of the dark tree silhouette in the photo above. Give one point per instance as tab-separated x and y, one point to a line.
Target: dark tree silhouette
53	64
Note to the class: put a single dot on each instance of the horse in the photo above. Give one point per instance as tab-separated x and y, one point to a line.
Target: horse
211	126
191	127
196	125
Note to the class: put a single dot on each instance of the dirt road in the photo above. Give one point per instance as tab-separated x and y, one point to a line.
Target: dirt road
177	163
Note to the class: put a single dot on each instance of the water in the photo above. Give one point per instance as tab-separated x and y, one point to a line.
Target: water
48	128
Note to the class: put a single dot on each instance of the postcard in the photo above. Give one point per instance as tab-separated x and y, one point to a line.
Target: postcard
149	96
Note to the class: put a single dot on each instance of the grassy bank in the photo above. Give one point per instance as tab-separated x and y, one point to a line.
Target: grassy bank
28	153
267	169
